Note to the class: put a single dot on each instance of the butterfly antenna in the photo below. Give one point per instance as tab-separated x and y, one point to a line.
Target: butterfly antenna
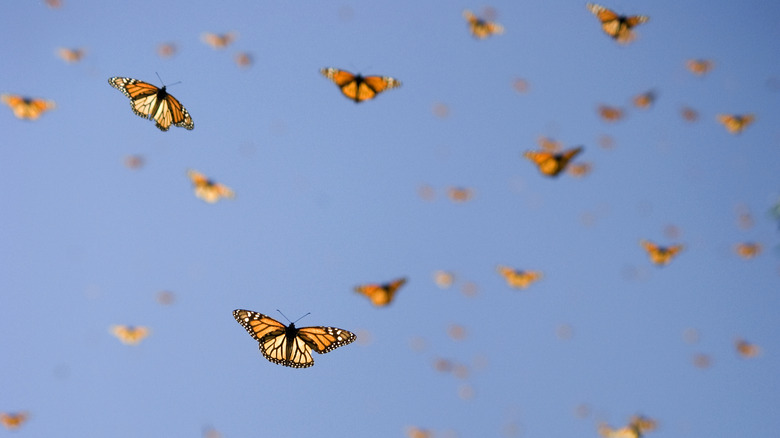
307	313
158	77
285	316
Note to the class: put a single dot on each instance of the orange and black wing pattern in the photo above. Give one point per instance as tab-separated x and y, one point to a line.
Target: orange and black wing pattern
619	27
207	189
130	335
481	28
518	279
288	345
550	163
660	255
13	420
736	123
71	55
153	103
359	88
381	294
26	107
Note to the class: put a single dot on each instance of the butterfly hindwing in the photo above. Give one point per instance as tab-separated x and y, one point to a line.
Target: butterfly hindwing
154	103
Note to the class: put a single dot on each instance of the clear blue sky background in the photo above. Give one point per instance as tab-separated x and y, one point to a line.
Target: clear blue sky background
327	198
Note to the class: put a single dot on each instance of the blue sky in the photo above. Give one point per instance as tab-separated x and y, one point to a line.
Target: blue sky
327	198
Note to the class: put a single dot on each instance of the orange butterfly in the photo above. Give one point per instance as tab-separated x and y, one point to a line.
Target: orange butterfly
150	102
26	107
129	334
660	255
699	67
207	189
443	279
480	27
746	349
552	164
645	100
460	194
748	250
689	114
549	144
359	88
166	50
619	27
243	59
636	428
13	420
517	278
381	294
735	123
71	55
416	432
217	41
579	169
610	113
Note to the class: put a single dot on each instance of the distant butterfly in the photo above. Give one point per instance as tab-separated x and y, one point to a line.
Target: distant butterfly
27	107
736	123
636	428
381	294
12	420
699	67
359	88
416	432
579	169
207	189
443	279
689	114
552	164
748	250
291	346
71	55
480	27
219	41
645	100
54	4
150	102
610	113
460	194
746	349
130	335
549	144
619	27
660	255
243	59
517	278
166	50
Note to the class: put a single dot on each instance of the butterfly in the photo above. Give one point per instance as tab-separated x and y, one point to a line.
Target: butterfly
660	255
217	41
129	334
207	189
151	102
359	88
748	250
291	346
460	194
381	294
27	107
12	420
636	428
443	279
735	123
746	349
552	164
166	50
243	60
610	113
71	55
699	67
517	278
689	114
644	100
480	27
579	169
617	26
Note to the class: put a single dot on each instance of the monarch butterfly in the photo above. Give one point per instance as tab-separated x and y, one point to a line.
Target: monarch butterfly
689	114
748	250
481	28
517	278
359	88
746	349
243	59
381	294
645	100
579	169
460	194
443	279
699	67
166	50
71	55
617	26
151	102
27	107
416	432
207	189
552	164
736	123
610	113
636	428
549	144
130	335
13	420
217	41
660	255
291	346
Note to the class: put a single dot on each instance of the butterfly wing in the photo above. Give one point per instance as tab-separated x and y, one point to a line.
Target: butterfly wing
150	102
26	108
325	339
358	88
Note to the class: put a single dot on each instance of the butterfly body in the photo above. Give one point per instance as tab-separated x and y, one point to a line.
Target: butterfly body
288	345
619	27
357	87
150	102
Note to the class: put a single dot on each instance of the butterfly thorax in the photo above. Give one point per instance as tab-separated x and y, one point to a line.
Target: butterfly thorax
162	94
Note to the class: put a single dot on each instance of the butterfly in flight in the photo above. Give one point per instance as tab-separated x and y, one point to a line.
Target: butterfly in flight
746	349
359	88
381	294
736	123
645	100
610	113
748	250
552	163
660	255
619	27
636	428
219	41
480	27
460	194
130	335
517	278
207	189
154	103
27	107
288	345
699	67
12	420
71	55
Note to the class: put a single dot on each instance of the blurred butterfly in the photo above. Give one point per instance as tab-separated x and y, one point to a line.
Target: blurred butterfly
12	420
610	113
636	428
660	255
735	123
218	41
481	28
460	194
748	250
27	107
645	100
243	59
130	335
579	169
552	164
443	279
416	432
71	55
291	346
689	114
207	189
150	102
699	67
517	278
619	27
359	88
54	4
549	144
746	349
166	50
381	294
